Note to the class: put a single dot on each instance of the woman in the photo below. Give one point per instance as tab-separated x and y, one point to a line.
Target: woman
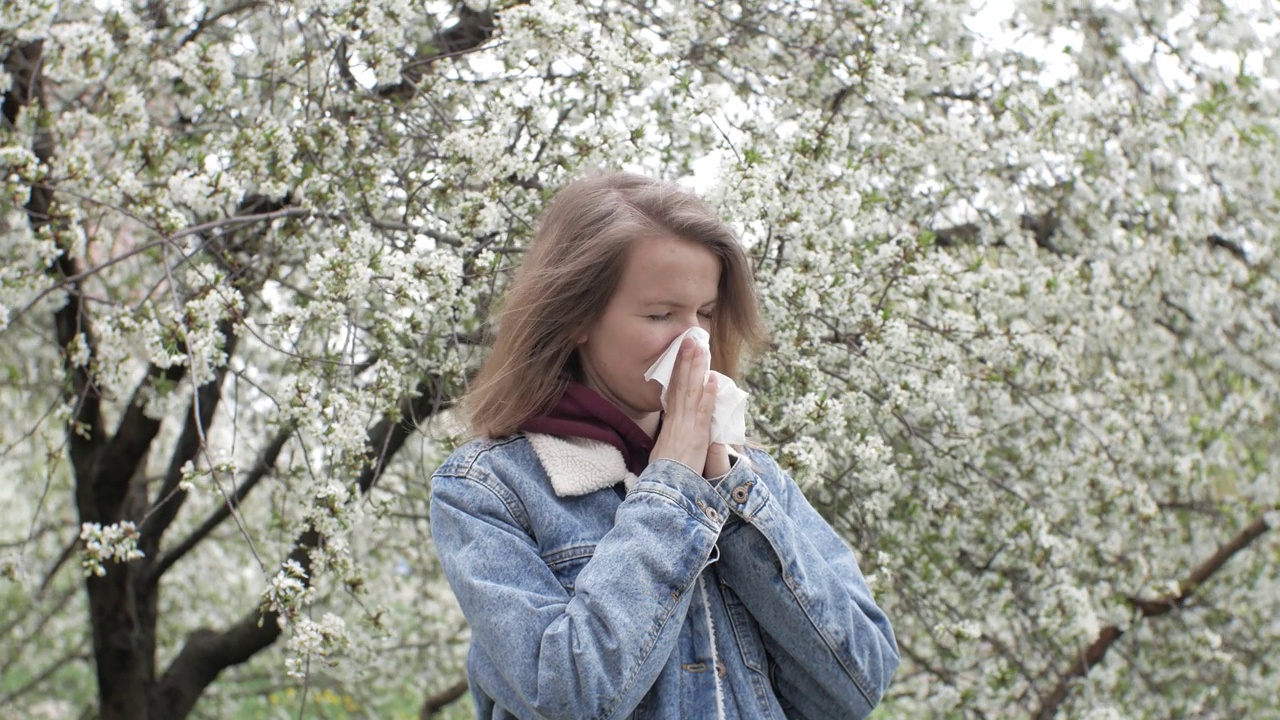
612	561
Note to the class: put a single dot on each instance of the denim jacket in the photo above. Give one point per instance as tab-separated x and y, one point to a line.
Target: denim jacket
682	598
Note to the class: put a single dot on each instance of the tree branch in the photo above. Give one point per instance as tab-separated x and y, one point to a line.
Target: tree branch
33	683
85	435
1044	227
264	210
435	703
266	462
63	557
10	629
207	20
388	435
1216	240
1108	636
473	29
113	475
158	14
128	448
207	653
169	499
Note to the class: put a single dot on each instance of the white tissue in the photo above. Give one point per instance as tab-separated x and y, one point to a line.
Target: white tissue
729	418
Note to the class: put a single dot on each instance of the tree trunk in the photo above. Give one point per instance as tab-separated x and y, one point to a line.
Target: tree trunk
109	467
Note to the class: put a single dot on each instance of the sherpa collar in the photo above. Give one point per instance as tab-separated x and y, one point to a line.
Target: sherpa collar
577	466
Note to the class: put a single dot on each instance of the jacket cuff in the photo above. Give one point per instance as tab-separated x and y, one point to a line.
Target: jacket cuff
741	491
681	485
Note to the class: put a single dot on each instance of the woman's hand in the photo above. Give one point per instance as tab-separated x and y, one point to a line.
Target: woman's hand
691	396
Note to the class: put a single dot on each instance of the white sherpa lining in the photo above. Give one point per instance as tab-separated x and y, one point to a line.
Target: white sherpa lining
578	466
715	654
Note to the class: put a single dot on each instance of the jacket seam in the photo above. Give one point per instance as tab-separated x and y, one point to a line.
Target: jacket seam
675	500
468	472
858	682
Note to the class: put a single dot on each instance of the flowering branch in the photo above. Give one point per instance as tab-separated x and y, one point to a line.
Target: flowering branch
84	429
1045	226
1108	636
266	462
169	499
473	29
207	652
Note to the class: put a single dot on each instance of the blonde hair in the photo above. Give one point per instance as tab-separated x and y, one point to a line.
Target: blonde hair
569	273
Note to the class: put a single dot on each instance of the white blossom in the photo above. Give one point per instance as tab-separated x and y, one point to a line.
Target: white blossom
115	543
1018	263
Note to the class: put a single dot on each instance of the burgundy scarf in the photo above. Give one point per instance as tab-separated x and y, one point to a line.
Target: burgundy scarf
581	412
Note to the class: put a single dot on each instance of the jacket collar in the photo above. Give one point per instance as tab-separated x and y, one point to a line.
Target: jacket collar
578	466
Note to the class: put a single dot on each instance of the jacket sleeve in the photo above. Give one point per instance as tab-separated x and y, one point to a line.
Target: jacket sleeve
594	654
831	647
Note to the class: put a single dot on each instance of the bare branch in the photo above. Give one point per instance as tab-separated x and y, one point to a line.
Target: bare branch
44	675
10	628
73	280
63	557
439	701
105	489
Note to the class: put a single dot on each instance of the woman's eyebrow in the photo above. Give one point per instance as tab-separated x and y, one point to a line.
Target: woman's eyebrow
674	304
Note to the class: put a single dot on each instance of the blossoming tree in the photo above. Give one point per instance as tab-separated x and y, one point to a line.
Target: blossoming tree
1020	271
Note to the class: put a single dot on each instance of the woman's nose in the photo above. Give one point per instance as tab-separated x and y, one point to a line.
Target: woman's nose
684	324
701	321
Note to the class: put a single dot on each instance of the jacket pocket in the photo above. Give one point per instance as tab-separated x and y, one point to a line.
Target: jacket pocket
745	631
567	563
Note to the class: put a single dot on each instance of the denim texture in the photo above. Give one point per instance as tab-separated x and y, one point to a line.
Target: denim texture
682	600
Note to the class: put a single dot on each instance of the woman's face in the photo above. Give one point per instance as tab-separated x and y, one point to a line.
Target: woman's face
668	285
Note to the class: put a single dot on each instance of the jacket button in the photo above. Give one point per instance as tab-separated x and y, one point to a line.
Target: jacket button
720	669
739	494
711	514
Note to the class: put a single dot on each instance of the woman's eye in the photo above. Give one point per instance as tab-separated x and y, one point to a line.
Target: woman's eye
657	318
705	315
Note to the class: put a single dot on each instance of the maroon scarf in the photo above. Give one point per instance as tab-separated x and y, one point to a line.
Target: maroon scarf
581	412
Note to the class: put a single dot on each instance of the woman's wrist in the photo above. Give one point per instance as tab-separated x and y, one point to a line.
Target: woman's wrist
717	464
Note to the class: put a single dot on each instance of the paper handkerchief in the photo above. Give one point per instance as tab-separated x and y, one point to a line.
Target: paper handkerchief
729	418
